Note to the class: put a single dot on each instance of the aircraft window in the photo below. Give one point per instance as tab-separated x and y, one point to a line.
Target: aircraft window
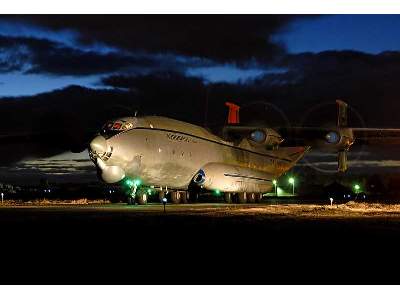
117	126
112	128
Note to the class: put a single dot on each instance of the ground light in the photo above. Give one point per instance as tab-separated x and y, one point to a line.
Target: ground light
164	201
291	181
217	192
357	189
275	183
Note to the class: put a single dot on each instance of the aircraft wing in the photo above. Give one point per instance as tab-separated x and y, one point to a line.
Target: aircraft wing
364	136
380	136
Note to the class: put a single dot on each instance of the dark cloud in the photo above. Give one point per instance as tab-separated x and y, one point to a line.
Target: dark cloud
370	83
31	55
226	38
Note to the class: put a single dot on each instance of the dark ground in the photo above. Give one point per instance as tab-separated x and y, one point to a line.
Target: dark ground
200	244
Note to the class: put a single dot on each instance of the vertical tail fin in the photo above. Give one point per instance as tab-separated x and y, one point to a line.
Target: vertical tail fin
233	114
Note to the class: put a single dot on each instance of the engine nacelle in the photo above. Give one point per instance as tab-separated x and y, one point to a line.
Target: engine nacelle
266	136
229	178
340	139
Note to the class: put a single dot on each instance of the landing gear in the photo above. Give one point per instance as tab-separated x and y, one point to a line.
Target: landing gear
259	197
131	201
228	197
175	197
251	198
184	197
142	198
132	195
242	197
179	197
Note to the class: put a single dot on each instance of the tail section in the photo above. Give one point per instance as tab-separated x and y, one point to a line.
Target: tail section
233	114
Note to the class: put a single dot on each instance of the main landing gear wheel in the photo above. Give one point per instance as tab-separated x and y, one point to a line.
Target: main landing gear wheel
184	197
142	198
179	197
259	197
228	197
131	201
252	197
242	197
175	197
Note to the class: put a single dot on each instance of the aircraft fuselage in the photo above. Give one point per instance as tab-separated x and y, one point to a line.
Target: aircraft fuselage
164	152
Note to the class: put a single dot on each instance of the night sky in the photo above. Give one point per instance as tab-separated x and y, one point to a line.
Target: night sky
62	77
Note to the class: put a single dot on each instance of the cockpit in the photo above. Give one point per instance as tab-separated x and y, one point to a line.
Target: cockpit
115	127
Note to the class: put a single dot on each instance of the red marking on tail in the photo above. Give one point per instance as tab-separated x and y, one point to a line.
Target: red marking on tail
233	114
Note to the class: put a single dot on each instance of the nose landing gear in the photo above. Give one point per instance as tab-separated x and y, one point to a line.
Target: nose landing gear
132	195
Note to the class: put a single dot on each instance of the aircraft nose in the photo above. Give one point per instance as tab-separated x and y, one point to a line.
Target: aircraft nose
98	145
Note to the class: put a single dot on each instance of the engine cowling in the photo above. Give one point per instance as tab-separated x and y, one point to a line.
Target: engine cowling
339	139
229	178
266	137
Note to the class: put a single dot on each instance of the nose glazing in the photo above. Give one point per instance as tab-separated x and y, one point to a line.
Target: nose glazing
99	145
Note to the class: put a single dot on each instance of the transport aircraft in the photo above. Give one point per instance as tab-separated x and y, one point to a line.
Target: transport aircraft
242	162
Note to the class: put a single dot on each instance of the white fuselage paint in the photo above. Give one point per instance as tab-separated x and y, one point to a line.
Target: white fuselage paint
166	152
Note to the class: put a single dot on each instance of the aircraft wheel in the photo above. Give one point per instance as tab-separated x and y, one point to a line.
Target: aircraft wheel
142	199
259	197
251	198
228	197
131	201
184	197
242	197
175	197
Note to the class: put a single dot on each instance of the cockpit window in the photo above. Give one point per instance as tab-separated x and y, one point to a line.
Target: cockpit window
114	127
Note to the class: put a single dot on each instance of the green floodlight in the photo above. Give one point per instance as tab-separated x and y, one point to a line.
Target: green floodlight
129	182
357	189
275	183
291	181
137	182
217	192
149	191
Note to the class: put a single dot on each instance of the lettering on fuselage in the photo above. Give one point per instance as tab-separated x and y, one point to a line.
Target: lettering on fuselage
180	138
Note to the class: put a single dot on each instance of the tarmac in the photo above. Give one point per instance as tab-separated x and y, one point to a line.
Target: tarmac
200	243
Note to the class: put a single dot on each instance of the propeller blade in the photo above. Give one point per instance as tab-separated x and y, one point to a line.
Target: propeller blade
341	114
342	161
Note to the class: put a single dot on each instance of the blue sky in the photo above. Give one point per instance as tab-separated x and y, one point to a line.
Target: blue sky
15	84
366	33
